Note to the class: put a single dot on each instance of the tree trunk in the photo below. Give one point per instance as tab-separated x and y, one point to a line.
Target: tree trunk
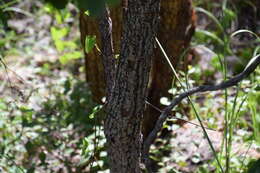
93	64
177	25
126	91
127	100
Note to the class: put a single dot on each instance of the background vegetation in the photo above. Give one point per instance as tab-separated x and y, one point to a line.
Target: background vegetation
48	122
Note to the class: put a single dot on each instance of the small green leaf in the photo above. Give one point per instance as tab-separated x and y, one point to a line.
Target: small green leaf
57	36
85	143
70	45
64	59
87	12
94	111
90	43
230	14
200	32
3	105
91	116
58	18
57	33
117	56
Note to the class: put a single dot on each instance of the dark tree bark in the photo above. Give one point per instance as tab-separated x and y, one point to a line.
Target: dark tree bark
175	31
126	105
249	15
93	63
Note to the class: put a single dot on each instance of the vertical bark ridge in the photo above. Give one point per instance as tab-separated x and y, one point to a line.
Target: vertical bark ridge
107	51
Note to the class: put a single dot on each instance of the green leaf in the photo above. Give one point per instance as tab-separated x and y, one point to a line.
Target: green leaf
3	105
57	36
229	14
210	35
70	56
85	145
90	43
58	18
57	33
95	110
70	44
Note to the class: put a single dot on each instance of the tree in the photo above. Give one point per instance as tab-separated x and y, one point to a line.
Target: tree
126	79
177	23
126	84
127	87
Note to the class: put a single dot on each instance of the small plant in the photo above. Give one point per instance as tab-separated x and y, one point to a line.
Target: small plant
221	39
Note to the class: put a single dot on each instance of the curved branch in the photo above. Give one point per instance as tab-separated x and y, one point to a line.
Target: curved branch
252	65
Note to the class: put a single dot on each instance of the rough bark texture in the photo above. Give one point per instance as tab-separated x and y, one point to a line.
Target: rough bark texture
175	30
125	108
93	62
108	57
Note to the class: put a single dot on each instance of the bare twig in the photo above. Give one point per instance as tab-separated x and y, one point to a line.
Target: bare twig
173	117
251	66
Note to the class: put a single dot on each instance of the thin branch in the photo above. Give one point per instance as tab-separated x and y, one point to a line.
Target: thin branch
251	66
176	118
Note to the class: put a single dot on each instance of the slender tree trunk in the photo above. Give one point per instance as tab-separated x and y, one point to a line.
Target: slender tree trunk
175	31
126	105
